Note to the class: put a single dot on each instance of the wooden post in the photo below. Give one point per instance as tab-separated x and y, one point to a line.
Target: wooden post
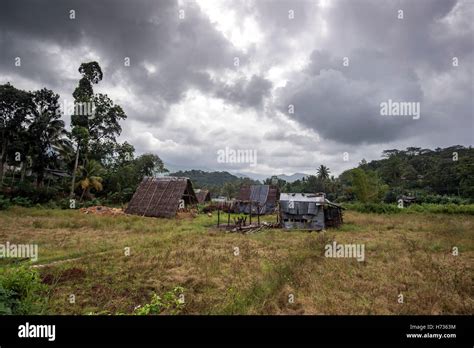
258	213
279	212
218	216
228	217
250	212
71	195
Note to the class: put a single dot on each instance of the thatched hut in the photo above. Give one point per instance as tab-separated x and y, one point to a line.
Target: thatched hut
162	197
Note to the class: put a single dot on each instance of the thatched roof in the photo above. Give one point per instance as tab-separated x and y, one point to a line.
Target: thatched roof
159	197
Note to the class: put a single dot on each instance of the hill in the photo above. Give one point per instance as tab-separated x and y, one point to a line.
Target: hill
293	177
201	178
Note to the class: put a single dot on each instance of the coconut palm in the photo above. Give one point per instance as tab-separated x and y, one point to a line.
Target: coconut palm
323	172
90	177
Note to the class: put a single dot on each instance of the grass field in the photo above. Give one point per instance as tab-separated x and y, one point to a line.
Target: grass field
275	271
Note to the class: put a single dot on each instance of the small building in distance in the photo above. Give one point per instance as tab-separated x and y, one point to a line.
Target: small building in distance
258	199
203	196
406	200
308	211
162	197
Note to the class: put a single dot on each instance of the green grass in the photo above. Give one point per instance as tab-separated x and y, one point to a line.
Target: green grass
83	254
383	208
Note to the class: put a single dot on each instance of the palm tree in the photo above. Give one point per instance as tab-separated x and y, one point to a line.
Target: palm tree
89	177
323	172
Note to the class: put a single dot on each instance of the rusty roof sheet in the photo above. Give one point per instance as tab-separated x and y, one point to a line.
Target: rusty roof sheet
259	193
203	196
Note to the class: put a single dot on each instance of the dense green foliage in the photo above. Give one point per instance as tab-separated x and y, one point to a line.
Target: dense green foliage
448	171
440	176
41	162
4	203
21	291
384	208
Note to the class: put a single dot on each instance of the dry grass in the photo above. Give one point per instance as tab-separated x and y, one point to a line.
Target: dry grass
84	255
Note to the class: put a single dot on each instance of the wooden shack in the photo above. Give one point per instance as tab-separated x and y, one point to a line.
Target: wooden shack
307	211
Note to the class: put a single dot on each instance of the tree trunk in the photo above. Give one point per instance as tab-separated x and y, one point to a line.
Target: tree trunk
1	170
74	172
40	180
2	155
82	195
13	177
23	171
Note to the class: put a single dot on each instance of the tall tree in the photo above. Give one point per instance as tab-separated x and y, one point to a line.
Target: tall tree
91	74
104	127
323	172
15	106
47	136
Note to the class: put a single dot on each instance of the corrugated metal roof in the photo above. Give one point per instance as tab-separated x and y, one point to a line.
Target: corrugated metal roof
264	196
203	195
258	193
302	197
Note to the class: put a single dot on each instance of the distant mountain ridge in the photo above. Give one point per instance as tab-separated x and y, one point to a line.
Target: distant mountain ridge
293	177
202	178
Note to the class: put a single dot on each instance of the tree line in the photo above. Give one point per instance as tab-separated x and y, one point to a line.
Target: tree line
431	176
41	160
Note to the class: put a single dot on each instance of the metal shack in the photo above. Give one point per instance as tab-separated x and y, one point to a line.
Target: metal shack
308	211
258	199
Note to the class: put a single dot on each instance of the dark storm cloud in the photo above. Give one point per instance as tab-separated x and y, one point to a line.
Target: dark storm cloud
344	105
148	32
388	59
405	60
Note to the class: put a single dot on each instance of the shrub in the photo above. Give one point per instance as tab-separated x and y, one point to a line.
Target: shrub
7	301
21	291
121	197
4	203
91	203
50	205
22	201
64	203
169	303
382	208
378	208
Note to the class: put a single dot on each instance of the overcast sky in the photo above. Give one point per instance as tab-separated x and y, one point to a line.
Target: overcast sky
206	75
